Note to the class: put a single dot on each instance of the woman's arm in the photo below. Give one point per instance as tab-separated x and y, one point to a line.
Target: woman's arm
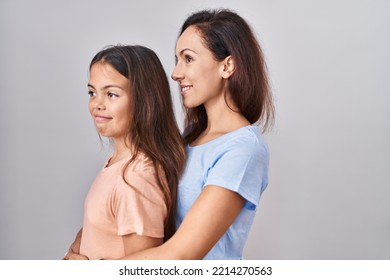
208	219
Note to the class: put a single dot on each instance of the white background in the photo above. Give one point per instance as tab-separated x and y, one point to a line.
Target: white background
329	62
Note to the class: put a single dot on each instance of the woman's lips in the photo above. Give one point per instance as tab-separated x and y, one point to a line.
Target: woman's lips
184	89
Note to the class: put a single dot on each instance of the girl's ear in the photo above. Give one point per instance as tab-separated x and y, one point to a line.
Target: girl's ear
228	67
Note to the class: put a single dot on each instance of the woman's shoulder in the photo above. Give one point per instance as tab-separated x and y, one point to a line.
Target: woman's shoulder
244	142
249	133
247	138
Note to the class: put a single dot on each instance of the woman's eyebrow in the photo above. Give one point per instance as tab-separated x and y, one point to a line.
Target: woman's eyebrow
187	49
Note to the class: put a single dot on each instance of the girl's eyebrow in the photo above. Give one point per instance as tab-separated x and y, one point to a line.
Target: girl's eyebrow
106	87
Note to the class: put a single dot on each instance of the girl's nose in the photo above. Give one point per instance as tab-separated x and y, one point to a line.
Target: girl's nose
101	107
99	103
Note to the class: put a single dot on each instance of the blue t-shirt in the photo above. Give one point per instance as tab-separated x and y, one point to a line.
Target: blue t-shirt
237	161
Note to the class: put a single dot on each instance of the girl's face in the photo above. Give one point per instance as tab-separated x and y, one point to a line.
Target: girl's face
197	72
109	101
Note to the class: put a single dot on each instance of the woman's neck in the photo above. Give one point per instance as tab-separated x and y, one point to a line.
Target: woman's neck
220	120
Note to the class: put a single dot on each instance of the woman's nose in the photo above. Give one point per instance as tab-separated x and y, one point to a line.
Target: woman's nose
177	74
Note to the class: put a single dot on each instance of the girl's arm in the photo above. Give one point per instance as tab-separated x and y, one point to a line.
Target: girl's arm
132	244
74	249
208	219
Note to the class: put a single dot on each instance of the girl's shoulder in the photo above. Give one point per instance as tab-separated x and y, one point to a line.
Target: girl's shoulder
141	163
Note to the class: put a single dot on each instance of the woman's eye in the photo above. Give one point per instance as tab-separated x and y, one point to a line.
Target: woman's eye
188	58
91	93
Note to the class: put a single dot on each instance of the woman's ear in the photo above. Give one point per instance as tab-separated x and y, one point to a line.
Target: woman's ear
228	67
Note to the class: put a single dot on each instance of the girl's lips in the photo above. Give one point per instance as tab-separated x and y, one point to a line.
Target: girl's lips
102	118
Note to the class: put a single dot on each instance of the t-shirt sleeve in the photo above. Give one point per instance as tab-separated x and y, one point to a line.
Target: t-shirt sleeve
243	168
139	207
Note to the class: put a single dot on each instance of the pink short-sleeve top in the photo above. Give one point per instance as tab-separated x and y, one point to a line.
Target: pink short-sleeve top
114	208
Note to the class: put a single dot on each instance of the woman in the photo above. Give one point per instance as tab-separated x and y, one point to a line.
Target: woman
131	205
224	86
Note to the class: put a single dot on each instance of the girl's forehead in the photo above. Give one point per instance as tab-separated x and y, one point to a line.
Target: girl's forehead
103	73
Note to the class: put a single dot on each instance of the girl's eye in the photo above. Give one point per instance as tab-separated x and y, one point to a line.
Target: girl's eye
91	93
112	95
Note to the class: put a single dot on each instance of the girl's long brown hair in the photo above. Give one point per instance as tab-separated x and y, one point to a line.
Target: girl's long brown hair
153	129
225	33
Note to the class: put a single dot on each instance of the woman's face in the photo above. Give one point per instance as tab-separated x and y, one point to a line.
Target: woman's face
109	101
197	71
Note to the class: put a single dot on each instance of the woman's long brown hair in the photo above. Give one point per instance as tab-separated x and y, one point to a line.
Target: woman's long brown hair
153	129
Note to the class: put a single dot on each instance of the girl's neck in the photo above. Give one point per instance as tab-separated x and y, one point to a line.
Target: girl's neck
121	151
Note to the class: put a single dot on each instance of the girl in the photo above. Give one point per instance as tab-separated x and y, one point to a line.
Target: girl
224	86
131	205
